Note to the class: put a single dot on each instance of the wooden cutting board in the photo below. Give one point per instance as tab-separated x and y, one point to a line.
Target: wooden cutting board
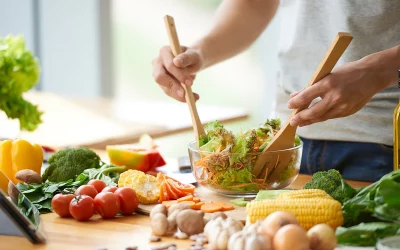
206	195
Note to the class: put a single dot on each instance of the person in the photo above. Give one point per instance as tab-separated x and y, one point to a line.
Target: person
346	123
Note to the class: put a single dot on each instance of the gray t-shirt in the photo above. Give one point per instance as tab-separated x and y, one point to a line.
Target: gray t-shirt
307	29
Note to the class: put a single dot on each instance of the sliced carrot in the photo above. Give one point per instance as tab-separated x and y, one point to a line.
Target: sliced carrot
196	199
190	203
197	206
186	198
211	207
225	206
169	203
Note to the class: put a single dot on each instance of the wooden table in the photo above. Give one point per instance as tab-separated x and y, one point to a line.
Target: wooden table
98	122
118	233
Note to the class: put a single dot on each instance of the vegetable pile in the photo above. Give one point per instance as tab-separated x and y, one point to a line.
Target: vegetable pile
19	72
227	160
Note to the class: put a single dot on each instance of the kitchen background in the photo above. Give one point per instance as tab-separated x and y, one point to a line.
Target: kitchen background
104	49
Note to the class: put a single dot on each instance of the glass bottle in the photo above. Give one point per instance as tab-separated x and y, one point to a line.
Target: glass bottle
396	132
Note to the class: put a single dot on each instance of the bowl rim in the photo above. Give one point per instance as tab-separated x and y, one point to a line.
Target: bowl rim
191	148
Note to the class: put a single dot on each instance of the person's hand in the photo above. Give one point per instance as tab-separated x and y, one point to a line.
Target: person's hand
170	72
344	92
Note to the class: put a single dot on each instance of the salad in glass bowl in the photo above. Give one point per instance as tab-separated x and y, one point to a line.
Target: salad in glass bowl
224	161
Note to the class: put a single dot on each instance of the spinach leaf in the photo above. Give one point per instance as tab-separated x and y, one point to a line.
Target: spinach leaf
366	234
107	173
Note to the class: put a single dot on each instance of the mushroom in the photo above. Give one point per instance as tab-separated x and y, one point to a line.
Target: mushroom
179	207
190	221
13	192
211	216
28	176
159	224
160	208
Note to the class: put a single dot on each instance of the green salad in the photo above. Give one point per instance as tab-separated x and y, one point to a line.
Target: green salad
227	159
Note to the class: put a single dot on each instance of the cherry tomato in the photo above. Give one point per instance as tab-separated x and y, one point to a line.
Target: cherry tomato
128	200
82	207
110	189
86	190
60	204
99	185
106	205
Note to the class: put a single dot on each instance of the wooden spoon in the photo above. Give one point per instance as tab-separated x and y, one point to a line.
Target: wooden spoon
284	139
176	50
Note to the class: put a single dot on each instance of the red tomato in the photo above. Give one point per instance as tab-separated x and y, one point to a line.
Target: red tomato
99	185
128	200
106	204
110	189
60	204
82	207
86	190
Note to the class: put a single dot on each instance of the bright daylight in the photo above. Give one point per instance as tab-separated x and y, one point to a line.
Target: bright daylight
199	125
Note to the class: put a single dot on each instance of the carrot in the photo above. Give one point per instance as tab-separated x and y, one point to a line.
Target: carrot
196	199
169	203
211	207
225	206
186	198
197	206
190	203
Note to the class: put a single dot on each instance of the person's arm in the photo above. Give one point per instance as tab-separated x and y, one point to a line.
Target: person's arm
347	89
238	24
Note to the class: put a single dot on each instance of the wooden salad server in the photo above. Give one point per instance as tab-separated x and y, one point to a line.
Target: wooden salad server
176	50
271	165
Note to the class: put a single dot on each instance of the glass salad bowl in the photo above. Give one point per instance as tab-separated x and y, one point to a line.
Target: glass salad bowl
223	173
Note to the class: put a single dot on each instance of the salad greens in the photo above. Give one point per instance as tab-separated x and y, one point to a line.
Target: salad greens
19	72
227	159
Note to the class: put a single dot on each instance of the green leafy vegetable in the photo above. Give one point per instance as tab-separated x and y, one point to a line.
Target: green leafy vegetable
107	173
376	202
240	202
366	234
332	182
19	72
41	194
68	163
270	194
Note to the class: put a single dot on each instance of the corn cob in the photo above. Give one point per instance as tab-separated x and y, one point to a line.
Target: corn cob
305	193
308	211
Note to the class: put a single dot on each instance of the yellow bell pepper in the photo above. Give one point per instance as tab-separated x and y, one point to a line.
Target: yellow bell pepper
18	155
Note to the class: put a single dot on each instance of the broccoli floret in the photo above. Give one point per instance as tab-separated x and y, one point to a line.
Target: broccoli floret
332	182
68	163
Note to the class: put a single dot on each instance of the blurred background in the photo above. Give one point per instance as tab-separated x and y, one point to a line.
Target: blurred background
102	50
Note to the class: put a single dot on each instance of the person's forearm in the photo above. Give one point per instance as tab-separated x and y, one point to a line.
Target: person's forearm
238	24
386	63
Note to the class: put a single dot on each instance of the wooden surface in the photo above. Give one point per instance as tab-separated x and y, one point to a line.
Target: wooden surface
118	233
99	122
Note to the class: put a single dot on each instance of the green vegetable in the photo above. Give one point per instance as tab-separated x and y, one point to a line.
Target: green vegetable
41	194
68	163
270	194
366	234
332	182
240	202
376	202
230	157
107	173
19	72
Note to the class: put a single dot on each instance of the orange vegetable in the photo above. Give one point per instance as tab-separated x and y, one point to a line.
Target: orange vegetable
169	203
197	206
190	203
196	199
211	207
225	206
186	198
